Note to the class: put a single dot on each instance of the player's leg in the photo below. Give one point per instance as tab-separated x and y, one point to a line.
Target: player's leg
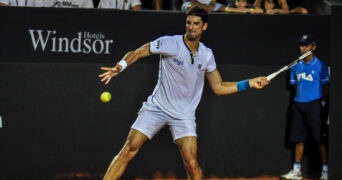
298	130
324	157
297	136
149	121
188	149
323	153
315	122
131	147
298	152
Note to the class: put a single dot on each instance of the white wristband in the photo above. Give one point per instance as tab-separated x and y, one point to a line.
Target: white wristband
123	64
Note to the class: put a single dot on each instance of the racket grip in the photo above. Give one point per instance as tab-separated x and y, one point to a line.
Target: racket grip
271	76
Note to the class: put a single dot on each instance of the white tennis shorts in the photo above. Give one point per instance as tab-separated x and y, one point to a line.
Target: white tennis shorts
151	119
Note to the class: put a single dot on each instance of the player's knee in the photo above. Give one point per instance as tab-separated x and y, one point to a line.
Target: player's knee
128	152
191	164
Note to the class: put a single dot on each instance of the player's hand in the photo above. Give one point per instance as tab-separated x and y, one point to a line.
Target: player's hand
110	72
258	82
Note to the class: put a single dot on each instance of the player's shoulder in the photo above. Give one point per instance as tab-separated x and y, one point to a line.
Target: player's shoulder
170	38
205	48
320	62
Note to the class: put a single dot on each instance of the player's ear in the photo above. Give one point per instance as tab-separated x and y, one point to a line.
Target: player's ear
314	47
205	26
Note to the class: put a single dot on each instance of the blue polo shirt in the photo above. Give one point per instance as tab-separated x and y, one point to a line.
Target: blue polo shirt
309	79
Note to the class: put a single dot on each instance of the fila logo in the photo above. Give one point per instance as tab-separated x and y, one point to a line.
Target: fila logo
305	77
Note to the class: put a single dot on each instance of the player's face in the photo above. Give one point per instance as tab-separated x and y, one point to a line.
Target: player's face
304	48
194	27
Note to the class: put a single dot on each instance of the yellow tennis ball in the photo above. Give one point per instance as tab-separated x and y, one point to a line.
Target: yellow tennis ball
105	97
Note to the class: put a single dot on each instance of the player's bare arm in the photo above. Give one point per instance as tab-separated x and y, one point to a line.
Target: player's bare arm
224	88
130	58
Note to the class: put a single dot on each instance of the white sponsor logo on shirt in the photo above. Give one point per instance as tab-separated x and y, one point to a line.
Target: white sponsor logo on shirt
305	77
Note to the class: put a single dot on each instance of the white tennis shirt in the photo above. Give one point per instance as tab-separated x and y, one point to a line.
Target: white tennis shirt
180	82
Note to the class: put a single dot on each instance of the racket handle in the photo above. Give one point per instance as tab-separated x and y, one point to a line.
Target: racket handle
271	76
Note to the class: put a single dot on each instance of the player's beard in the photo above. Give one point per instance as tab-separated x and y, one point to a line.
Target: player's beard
191	37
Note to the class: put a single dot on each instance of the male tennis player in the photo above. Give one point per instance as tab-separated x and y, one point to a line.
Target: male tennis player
184	62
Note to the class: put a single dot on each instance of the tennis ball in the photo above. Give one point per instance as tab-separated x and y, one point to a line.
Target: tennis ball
105	97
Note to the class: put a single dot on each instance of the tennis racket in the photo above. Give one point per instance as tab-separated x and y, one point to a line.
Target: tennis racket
273	75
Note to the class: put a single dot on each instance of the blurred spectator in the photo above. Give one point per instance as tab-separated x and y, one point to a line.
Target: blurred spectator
28	3
242	6
154	4
208	5
158	4
239	6
278	7
69	3
120	4
297	7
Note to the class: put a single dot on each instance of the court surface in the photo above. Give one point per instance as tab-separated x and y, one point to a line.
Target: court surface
157	176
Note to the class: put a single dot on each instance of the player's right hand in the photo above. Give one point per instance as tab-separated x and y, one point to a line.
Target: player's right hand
259	82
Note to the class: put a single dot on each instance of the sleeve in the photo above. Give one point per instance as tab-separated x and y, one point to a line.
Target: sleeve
135	3
212	63
293	77
166	45
325	74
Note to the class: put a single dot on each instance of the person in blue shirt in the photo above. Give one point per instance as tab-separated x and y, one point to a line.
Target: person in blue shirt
310	78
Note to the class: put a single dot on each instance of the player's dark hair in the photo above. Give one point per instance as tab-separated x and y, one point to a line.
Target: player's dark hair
198	11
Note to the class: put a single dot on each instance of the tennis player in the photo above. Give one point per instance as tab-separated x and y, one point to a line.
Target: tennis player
184	64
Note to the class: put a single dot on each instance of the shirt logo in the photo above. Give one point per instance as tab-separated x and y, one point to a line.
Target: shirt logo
178	62
305	77
158	44
199	66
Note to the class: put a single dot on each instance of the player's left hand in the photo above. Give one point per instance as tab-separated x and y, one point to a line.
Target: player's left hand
110	72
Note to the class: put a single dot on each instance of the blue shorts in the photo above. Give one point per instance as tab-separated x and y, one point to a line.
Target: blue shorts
151	119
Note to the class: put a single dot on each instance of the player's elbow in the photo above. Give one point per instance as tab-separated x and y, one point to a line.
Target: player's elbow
218	92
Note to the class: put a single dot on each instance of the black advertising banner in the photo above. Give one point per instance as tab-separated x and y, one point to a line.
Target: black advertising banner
105	35
71	35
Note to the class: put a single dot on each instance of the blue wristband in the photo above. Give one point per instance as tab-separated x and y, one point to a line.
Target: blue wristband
243	85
